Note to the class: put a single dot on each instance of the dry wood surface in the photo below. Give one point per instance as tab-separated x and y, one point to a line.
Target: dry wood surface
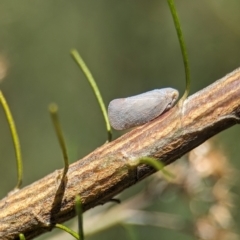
112	167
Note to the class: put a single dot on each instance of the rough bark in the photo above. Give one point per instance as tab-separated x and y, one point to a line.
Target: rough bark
112	167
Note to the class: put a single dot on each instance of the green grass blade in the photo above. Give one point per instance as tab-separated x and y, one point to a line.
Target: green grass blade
182	46
157	165
53	110
22	237
78	206
78	59
68	230
15	138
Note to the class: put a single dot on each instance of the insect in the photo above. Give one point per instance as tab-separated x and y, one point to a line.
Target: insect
133	111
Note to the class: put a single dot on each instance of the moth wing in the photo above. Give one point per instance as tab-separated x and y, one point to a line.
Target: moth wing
136	110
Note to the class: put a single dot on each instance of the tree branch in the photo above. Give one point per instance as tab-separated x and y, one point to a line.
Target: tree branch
113	167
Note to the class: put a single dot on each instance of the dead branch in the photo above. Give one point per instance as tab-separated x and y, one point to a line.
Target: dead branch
112	167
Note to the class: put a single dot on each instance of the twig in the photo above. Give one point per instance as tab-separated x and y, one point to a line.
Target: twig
112	167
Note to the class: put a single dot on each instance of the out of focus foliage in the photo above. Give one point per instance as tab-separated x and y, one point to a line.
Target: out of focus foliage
130	47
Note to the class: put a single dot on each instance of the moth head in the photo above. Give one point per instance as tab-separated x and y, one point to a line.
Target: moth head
172	97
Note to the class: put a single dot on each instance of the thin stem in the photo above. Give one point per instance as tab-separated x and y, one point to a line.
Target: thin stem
22	237
157	165
182	46
78	206
68	230
78	59
53	110
15	139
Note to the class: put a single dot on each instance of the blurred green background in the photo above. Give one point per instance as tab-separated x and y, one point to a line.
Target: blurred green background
130	47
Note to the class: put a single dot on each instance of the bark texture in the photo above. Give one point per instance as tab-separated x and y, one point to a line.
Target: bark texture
113	167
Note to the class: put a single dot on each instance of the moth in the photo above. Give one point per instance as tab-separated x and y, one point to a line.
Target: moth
134	111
